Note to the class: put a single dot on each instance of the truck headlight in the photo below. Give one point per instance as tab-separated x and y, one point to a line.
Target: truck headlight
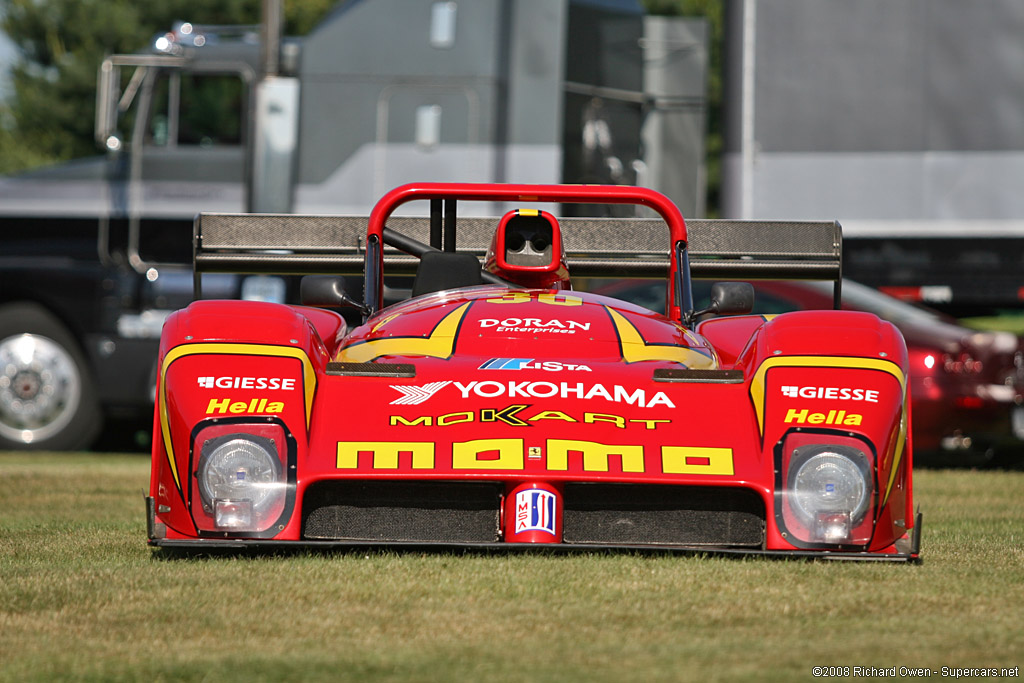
241	482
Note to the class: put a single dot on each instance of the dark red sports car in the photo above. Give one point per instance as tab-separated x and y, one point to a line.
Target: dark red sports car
967	386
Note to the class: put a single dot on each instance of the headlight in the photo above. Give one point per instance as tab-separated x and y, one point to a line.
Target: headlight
827	494
829	482
241	482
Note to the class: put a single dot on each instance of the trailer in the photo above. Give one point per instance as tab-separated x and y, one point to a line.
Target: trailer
903	120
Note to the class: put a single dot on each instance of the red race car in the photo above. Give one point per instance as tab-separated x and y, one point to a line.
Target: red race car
499	408
967	386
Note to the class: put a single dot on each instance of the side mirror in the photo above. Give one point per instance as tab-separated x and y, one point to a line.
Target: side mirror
328	291
727	298
732	298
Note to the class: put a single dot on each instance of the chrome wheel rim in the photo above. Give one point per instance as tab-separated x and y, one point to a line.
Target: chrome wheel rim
40	388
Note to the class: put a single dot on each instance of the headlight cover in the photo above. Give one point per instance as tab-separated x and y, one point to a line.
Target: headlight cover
828	492
241	482
829	482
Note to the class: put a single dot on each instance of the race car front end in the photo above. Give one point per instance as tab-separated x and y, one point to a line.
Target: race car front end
488	413
570	448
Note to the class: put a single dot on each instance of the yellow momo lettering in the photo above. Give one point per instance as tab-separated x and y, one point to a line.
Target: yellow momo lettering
696	460
508	455
832	417
225	406
595	455
476	455
385	454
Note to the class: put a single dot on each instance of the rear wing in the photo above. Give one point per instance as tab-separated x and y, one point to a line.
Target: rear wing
287	244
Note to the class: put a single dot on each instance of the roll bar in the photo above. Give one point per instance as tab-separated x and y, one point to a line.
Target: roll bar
495	192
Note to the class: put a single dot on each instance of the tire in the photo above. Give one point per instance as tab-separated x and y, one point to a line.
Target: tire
48	397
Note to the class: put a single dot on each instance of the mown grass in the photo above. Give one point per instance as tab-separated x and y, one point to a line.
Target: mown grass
82	598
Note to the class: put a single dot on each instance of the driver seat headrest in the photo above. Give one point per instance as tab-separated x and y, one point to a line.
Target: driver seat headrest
441	270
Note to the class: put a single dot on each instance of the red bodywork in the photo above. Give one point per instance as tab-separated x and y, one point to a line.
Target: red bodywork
552	275
499	416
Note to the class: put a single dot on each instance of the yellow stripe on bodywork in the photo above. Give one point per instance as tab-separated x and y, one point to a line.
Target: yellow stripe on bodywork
901	441
635	349
439	344
216	348
757	391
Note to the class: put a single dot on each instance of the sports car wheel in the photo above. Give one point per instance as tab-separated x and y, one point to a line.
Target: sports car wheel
47	397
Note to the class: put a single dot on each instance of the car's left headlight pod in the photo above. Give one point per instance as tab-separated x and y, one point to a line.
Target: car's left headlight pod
240	480
826	490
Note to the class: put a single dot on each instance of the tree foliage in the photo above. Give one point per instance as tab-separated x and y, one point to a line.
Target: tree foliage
49	118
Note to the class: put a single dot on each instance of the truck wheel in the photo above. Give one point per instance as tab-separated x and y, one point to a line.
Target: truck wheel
47	395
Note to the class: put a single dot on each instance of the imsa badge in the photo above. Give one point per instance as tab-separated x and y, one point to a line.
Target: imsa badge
536	510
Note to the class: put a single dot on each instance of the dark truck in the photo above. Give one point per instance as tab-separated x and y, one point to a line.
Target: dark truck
97	252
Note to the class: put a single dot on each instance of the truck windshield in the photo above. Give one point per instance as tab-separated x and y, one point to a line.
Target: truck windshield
197	109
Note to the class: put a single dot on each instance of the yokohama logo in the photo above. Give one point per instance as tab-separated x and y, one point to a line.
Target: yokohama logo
415	395
412	395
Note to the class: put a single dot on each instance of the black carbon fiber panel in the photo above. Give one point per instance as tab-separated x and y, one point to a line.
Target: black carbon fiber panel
426	512
270	243
663	515
255	232
778	239
699	376
372	369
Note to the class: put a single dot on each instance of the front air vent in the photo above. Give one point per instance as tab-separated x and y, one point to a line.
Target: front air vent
389	511
698	376
371	369
594	514
634	514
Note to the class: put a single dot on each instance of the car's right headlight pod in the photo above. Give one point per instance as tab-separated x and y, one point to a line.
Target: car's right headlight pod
826	493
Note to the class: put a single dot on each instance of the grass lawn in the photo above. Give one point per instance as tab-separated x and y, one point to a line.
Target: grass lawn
82	598
1009	322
